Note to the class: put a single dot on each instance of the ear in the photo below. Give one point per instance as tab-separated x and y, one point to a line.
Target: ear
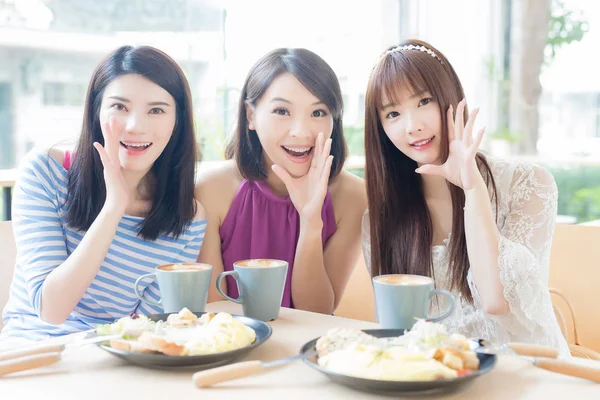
250	116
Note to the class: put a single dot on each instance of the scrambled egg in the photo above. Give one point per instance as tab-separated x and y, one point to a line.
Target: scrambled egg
182	334
222	333
392	364
427	352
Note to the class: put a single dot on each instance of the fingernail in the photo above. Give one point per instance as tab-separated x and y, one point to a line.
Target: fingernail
418	170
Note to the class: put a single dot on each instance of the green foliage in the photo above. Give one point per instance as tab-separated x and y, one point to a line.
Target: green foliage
586	204
565	26
506	135
355	137
211	138
578	191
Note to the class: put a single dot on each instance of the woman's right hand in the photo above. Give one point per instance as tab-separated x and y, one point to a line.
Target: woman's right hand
117	193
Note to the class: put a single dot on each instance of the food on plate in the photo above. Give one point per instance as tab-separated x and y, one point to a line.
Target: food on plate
426	352
183	334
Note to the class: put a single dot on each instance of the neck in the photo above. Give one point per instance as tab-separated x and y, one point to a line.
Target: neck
435	188
275	183
277	186
137	184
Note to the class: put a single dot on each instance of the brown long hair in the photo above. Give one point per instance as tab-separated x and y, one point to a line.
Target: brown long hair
316	76
401	226
173	205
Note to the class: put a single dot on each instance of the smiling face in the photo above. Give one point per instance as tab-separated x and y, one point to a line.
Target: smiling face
287	120
146	114
413	124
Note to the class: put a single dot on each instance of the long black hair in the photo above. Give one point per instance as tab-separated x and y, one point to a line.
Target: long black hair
173	205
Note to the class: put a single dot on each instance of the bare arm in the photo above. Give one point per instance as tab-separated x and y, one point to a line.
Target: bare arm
65	286
482	246
216	190
320	275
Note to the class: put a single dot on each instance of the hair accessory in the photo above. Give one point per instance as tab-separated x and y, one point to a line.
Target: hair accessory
413	47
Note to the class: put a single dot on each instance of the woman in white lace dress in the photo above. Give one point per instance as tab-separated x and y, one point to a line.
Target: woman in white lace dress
481	227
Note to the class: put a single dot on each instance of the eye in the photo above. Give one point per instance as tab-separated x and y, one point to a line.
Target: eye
425	101
118	107
319	113
157	110
392	114
281	111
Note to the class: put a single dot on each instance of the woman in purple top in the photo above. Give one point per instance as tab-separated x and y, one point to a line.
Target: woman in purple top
282	193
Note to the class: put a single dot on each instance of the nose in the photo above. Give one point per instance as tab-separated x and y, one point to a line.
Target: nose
135	124
300	128
413	123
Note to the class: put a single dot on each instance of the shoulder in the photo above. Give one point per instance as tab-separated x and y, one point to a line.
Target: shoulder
348	194
517	172
44	164
218	175
200	211
217	184
57	154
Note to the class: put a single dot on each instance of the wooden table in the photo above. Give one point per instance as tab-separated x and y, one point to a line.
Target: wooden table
90	373
8	178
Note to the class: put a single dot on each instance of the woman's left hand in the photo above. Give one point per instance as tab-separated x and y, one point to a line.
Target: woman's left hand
460	168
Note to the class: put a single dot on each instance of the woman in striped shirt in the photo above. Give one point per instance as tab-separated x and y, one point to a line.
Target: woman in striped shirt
88	224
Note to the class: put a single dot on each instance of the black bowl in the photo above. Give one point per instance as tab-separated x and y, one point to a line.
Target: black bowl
486	363
204	361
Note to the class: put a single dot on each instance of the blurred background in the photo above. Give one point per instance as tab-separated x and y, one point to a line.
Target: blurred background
529	64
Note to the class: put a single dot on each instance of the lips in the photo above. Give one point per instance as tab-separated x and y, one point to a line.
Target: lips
423	142
136	146
296	151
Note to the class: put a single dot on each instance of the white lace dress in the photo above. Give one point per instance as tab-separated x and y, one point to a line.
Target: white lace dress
527	204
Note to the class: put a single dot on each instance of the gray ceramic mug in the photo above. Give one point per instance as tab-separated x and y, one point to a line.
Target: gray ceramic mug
402	299
260	283
181	285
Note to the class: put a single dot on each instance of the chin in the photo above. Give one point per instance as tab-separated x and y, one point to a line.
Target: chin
295	170
136	166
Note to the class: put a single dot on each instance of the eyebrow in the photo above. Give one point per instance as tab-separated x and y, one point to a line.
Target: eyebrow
274	99
410	98
153	103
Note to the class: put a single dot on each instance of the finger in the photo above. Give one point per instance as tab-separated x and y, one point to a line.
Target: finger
326	152
459	124
327	169
477	141
112	141
283	175
324	181
102	153
314	163
468	133
450	122
430	169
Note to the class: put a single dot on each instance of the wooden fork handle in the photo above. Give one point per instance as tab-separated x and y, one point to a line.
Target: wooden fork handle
226	373
567	368
30	351
533	350
28	362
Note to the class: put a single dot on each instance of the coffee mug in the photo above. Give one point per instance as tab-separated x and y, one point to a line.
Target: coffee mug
260	283
402	299
181	285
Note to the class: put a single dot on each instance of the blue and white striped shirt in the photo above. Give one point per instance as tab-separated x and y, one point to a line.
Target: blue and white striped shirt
44	242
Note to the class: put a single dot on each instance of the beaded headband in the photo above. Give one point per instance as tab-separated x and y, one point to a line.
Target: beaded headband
413	47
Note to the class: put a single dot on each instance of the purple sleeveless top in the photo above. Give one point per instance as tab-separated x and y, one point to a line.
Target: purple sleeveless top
260	224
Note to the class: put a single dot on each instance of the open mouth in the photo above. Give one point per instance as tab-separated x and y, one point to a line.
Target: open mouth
298	152
136	146
423	142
